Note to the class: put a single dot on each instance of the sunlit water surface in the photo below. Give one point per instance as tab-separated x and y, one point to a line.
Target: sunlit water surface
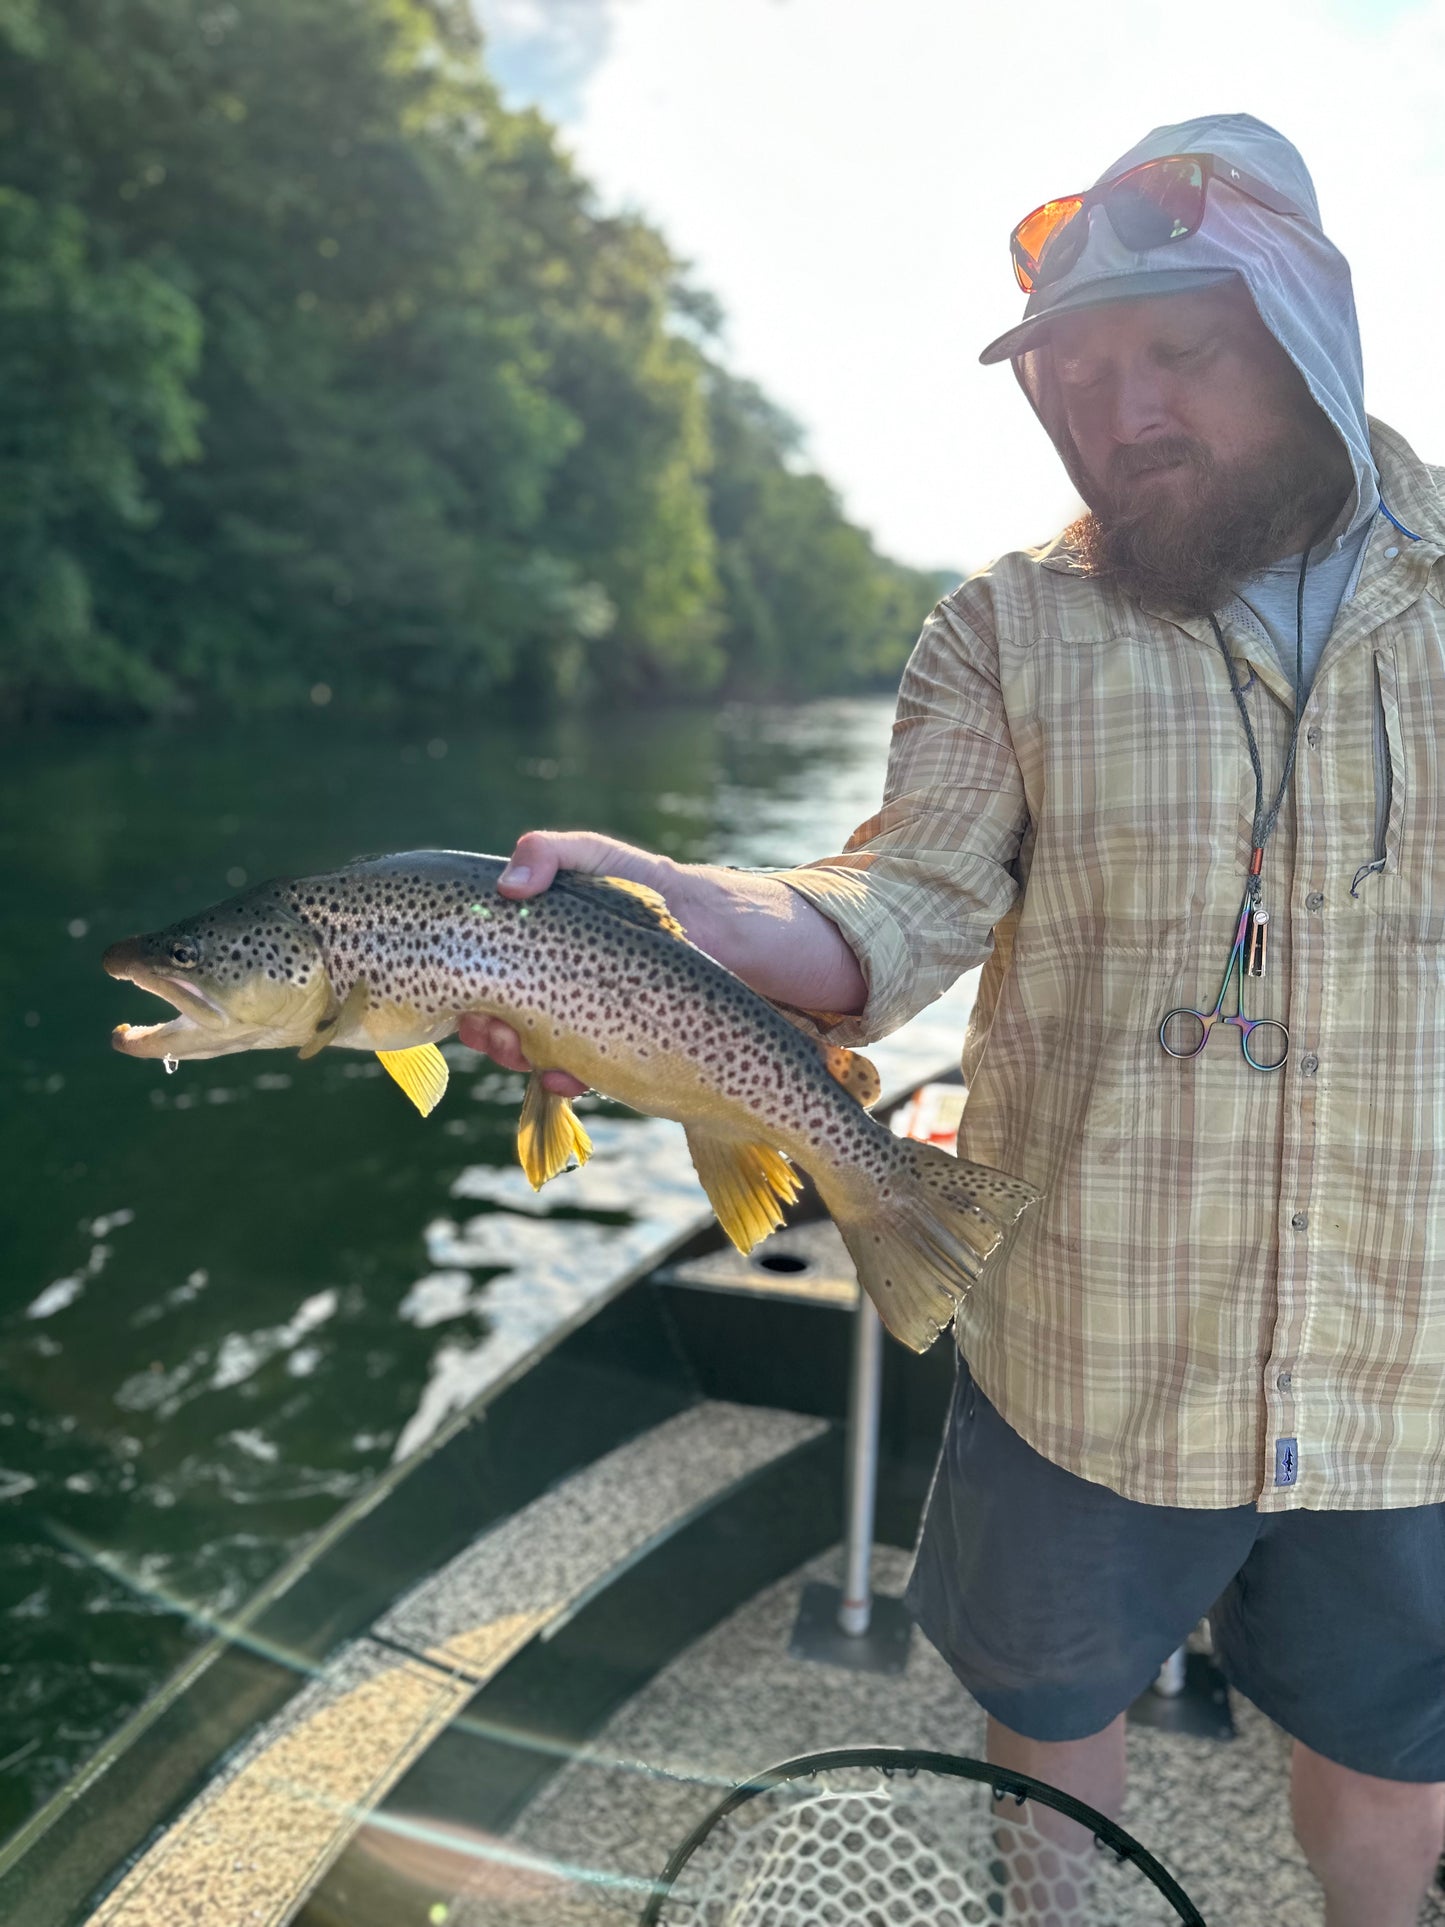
230	1297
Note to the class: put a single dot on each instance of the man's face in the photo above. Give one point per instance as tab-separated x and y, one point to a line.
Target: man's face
1205	456
1137	377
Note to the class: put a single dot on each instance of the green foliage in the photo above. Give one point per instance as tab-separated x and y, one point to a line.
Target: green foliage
95	360
810	604
320	366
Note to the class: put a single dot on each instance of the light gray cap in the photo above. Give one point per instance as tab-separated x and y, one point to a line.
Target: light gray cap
1103	280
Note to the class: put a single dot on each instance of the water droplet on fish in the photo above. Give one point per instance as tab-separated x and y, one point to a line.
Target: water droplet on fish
170	1065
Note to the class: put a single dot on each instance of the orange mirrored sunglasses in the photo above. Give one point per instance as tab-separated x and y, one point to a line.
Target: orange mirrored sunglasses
1148	206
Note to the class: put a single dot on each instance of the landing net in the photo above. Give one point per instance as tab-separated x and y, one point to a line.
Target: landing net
878	1837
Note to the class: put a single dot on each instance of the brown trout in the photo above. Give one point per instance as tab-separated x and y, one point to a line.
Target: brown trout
598	979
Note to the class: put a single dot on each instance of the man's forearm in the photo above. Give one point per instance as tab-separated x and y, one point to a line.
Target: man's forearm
769	936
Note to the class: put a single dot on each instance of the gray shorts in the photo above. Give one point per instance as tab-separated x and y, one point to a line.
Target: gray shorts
1056	1601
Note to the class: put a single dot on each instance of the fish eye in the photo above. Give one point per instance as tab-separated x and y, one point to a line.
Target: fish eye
185	953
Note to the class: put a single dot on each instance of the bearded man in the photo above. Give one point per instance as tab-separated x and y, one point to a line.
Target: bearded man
1208	1374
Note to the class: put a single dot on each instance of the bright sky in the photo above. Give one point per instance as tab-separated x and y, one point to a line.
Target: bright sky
843	175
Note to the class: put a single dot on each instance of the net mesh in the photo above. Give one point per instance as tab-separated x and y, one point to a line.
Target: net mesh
858	1847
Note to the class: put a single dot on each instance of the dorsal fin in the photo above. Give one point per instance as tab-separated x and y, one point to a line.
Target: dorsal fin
634	902
856	1074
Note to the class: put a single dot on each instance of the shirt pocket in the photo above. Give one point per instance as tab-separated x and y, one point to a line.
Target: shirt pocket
1389	769
1404	880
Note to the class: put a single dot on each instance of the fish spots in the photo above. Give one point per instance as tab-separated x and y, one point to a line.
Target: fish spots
431	938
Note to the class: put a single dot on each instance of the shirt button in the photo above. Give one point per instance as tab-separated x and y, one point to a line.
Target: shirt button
1312	736
1301	1221
1309	1063
1391	553
1315	900
1284	1381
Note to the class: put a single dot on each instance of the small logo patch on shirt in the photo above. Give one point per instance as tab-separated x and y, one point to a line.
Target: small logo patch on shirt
1286	1461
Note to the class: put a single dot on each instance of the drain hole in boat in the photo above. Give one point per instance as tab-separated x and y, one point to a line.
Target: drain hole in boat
781	1261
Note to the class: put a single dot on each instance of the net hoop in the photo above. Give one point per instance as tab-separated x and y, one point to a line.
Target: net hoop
1002	1782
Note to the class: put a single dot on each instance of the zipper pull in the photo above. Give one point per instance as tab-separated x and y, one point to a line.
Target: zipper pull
1258	918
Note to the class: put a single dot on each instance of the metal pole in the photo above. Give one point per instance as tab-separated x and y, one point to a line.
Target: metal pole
1173	1674
865	1396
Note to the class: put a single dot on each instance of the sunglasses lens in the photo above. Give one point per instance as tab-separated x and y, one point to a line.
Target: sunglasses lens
1039	231
1158	202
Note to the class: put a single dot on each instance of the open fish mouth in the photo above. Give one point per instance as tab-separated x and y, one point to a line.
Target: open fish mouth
197	1019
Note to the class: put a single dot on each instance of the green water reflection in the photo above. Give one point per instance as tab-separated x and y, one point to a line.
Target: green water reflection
206	1335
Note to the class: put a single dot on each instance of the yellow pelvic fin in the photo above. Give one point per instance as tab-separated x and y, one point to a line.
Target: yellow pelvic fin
548	1134
854	1073
340	1017
633	902
421	1073
746	1184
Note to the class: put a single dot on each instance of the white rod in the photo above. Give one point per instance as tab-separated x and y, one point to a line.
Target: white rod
1172	1674
865	1396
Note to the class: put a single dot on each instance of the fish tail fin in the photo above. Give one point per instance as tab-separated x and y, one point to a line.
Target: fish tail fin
923	1238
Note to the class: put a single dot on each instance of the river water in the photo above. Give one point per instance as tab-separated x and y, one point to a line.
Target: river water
230	1297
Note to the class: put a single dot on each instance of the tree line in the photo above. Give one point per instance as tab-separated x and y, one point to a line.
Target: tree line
321	367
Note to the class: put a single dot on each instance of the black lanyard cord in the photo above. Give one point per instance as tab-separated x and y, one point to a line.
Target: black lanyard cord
1264	820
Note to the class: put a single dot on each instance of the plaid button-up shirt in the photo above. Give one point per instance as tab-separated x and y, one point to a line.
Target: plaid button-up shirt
1233	1289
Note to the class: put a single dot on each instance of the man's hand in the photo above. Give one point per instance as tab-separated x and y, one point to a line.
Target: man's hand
761	930
539	855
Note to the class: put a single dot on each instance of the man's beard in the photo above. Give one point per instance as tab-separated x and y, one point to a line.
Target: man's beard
1187	548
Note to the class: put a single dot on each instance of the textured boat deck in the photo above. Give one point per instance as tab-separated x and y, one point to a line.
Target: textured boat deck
251	1848
1215	1812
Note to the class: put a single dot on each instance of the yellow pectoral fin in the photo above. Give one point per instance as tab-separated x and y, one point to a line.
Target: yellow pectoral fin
856	1074
338	1019
421	1073
548	1134
745	1184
